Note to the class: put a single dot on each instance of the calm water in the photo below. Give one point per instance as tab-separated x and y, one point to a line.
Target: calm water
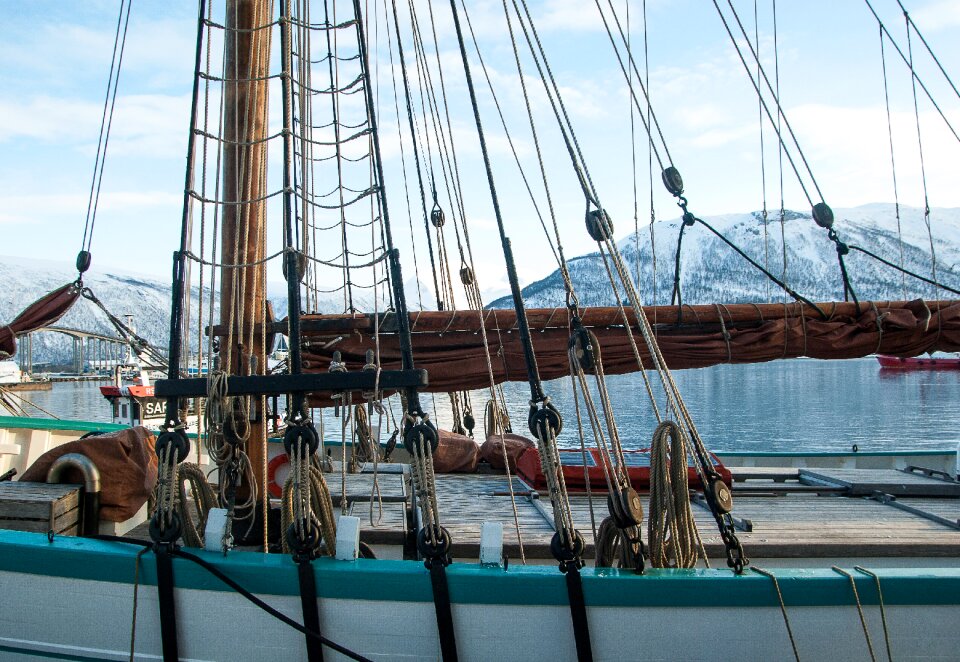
779	406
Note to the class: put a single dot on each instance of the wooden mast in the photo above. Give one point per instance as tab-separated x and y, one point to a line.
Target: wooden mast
243	238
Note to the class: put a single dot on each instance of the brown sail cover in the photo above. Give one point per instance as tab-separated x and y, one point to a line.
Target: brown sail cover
492	449
42	312
456	453
128	469
449	346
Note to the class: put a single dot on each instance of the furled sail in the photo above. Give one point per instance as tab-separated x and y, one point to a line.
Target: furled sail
448	344
43	312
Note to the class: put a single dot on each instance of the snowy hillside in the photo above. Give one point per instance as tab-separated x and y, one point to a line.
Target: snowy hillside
711	272
147	298
24	280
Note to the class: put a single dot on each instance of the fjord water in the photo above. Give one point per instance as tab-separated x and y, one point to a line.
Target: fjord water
796	405
793	405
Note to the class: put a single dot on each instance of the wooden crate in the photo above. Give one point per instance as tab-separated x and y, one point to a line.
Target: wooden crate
40	507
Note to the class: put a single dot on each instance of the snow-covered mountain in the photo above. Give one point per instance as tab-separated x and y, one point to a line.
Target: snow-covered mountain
23	280
147	298
711	272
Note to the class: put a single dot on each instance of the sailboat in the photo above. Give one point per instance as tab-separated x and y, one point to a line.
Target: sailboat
231	574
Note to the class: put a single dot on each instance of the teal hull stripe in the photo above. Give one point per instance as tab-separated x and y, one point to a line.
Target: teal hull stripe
18	422
844	454
408	581
47	655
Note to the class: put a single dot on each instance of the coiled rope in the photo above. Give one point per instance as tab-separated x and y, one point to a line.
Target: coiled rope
671	529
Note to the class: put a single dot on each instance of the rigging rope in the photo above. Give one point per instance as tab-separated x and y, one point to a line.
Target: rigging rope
783	211
923	168
763	165
416	154
106	123
893	163
914	76
600	228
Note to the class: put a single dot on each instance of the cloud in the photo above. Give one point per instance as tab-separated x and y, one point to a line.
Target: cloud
936	16
146	124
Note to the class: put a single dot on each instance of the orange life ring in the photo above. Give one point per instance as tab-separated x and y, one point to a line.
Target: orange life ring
276	490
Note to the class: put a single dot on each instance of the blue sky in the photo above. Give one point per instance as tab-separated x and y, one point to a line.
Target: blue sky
54	59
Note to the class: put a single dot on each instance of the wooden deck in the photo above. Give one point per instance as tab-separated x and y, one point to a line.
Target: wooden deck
781	515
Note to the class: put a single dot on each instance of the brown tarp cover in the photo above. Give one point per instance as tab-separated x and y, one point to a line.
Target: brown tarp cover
448	345
128	469
492	450
42	312
456	453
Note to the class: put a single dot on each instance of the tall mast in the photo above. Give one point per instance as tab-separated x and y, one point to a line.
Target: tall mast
243	239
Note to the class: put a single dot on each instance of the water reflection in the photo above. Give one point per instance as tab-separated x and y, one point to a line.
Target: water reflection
793	405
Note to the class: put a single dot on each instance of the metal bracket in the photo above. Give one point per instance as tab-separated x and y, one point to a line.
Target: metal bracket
739	523
890	500
929	473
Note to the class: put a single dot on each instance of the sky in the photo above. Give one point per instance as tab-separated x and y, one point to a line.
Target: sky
55	57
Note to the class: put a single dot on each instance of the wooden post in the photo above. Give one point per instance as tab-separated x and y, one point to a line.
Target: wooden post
243	239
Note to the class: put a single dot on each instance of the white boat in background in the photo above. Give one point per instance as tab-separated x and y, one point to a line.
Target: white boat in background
10	373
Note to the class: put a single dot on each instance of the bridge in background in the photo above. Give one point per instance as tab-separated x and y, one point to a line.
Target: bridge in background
97	351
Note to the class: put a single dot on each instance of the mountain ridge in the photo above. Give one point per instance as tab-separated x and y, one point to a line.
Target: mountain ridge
710	271
811	259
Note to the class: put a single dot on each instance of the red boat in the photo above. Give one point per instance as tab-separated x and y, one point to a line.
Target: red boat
918	363
638	468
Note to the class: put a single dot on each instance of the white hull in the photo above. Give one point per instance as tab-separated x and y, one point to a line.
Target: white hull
381	609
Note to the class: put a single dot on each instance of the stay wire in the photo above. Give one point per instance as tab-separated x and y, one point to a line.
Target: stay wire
913	73
104	139
651	116
555	104
509	137
780	113
933	55
923	169
416	154
633	161
765	272
451	149
403	158
893	162
937	284
558	253
763	162
653	238
783	211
